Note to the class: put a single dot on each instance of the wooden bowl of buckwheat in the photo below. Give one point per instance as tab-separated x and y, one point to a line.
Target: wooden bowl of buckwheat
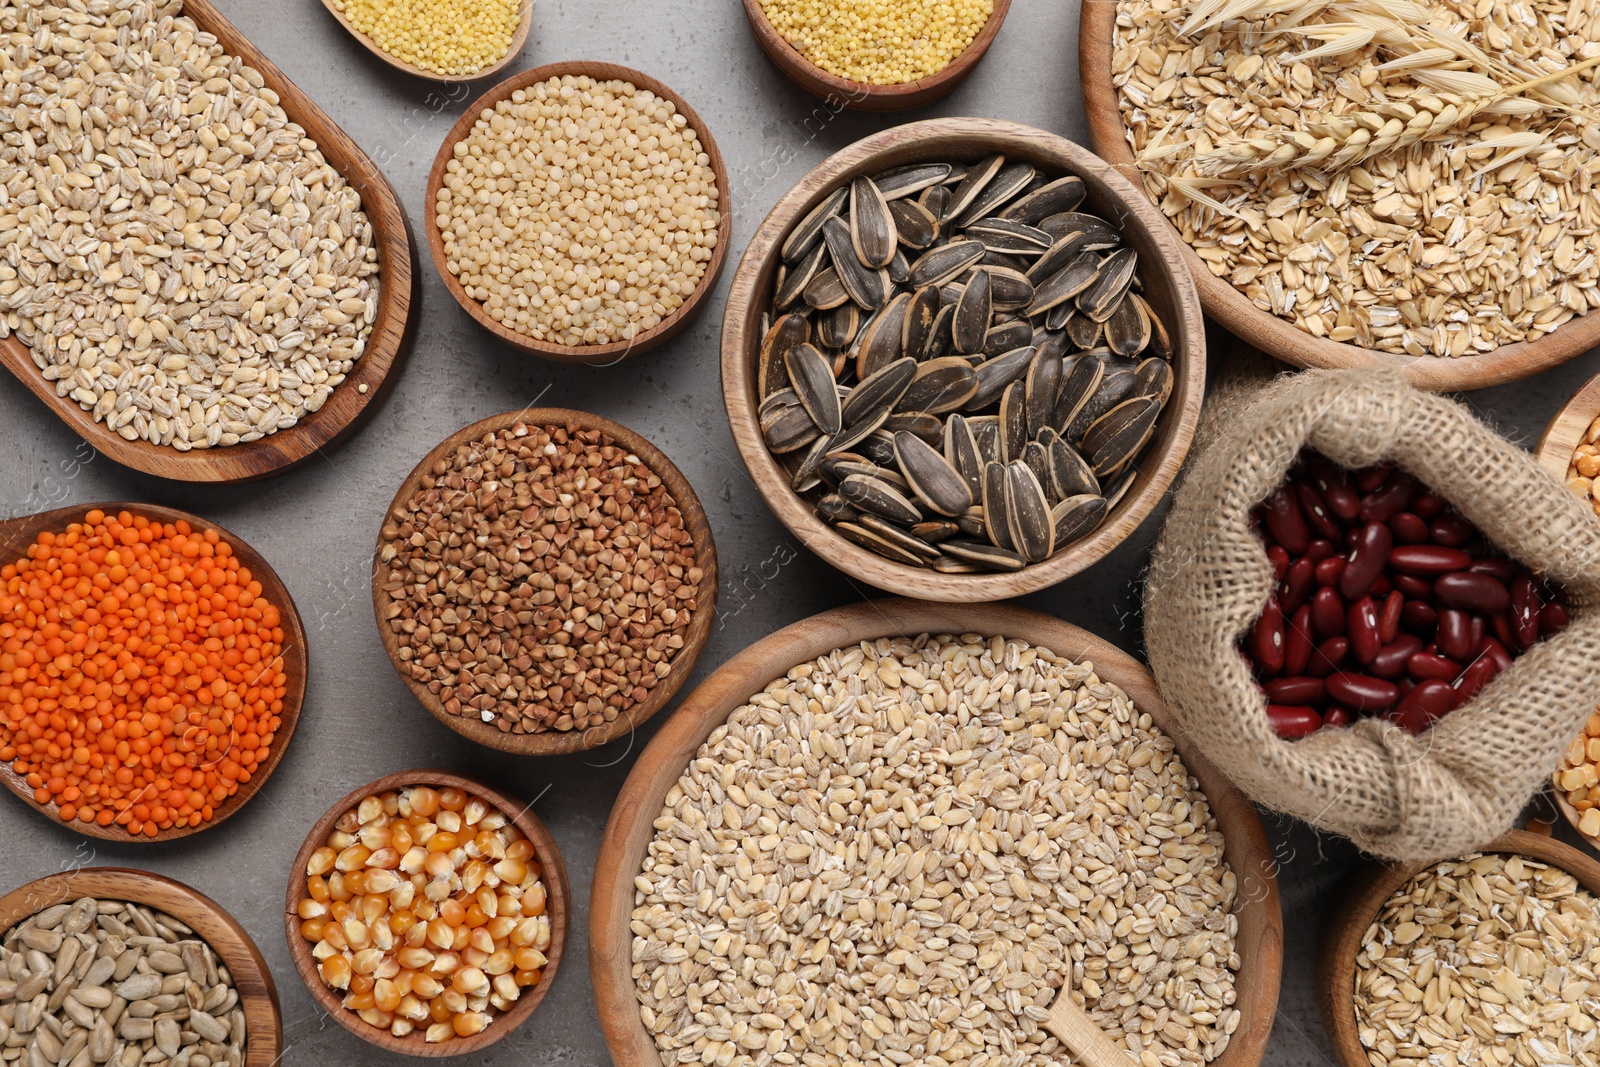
574	252
1421	960
544	581
872	786
1326	220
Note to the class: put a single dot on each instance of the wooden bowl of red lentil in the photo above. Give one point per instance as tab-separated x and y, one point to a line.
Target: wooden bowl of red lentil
552	874
497	731
606	353
259	753
863	96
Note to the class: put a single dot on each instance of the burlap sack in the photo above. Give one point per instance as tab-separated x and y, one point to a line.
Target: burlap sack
1461	784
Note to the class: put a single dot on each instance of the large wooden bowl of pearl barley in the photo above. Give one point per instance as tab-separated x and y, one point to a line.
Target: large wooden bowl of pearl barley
590	282
805	753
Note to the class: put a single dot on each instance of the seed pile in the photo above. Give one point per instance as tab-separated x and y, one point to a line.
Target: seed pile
898	852
579	212
1488	960
452	37
957	356
178	255
879	42
540	578
427	910
105	982
141	672
1388	602
1585	467
1579	776
1384	174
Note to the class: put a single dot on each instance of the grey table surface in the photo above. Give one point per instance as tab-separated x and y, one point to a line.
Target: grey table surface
317	525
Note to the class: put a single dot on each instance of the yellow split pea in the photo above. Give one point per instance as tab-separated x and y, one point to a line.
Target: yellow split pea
579	212
447	37
879	42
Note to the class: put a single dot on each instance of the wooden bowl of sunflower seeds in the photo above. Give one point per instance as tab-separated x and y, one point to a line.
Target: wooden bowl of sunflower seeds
963	359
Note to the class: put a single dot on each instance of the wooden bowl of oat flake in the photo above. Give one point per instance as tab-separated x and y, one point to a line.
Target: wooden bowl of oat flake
1426	232
823	821
1541	915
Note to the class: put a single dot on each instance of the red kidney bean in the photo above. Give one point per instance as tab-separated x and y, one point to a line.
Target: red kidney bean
1343	501
1408	529
1524	611
1362	692
1455	634
1476	628
1428	559
1426	505
1298	643
1553	618
1427	666
1405	685
1494	650
1300	690
1328	571
1470	589
1328	656
1338	715
1478	674
1319	549
1266	638
1389	616
1391	660
1413	587
1424	705
1315	511
1324	472
1285	522
1389	501
1450	530
1361	624
1296	586
1327	613
1500	623
1293	723
1502	570
1419	616
1367	560
1381	587
1278	556
1372	479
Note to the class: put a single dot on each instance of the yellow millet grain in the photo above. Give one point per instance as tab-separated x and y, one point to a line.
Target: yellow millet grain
879	42
579	212
449	37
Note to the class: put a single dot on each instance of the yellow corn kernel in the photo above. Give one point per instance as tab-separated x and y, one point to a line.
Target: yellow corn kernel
423	801
352	858
366	961
321	861
413	958
440	1032
452	799
410	1007
500	961
511	870
452	912
454	1000
356	933
317	889
471	981
311	909
385	995
443	841
335	972
474	811
469	1023
445	963
402	1027
313	929
506	988
426	986
400	838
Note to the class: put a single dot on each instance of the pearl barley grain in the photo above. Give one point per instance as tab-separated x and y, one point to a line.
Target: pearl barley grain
579	212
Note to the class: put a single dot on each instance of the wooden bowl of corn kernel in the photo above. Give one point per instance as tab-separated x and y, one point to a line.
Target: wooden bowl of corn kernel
467	39
1570	447
384	988
856	80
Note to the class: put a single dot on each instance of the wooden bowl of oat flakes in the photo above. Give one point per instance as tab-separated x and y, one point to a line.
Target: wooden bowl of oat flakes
1463	258
860	806
544	581
580	249
1489	955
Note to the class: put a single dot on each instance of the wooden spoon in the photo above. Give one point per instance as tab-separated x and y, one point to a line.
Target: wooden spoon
1086	1041
520	38
15	537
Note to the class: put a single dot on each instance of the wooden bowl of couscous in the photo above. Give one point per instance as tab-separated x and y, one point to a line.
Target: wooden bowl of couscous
810	43
588	274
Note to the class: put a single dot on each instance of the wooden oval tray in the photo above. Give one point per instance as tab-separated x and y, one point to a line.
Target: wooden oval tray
348	407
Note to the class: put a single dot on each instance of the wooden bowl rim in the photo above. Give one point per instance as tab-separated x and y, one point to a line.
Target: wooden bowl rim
1160	464
1279	337
210	921
296	658
1363	897
611	352
557	896
864	95
550	742
630	829
518	40
388	345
